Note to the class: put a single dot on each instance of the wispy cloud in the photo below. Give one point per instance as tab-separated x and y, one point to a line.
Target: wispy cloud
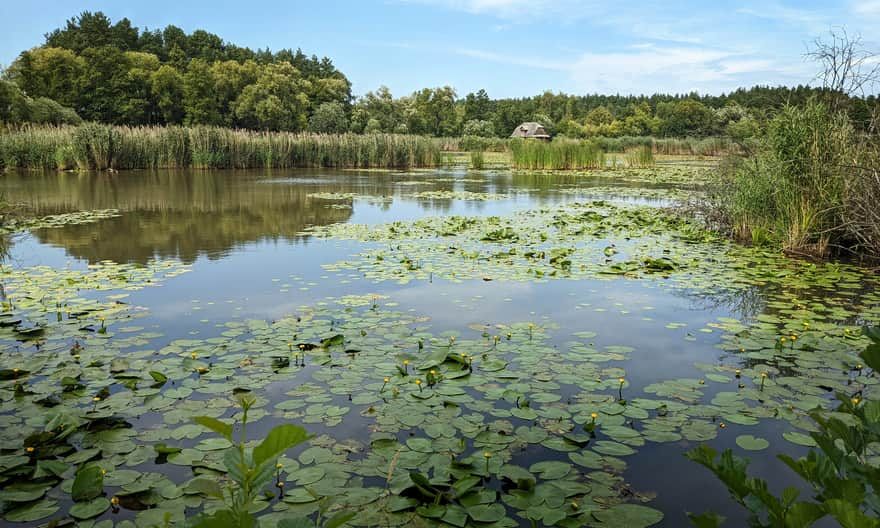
678	69
866	7
513	60
811	20
646	67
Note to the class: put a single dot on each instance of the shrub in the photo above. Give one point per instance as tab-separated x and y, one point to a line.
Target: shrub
793	188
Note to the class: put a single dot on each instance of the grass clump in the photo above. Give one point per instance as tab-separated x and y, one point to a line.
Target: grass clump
639	157
478	161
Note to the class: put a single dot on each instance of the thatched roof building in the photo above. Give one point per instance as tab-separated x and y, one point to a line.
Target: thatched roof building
531	130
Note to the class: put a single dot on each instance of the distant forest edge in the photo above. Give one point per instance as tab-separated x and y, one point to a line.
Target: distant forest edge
115	73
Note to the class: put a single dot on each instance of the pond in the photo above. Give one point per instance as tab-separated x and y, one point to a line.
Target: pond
562	338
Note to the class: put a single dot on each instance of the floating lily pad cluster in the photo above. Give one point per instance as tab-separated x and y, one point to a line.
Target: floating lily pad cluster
447	404
498	424
79	217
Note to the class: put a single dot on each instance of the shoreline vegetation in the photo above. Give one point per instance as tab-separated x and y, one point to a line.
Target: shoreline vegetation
93	146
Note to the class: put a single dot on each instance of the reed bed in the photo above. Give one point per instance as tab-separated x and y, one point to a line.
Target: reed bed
639	157
709	146
688	146
560	154
94	146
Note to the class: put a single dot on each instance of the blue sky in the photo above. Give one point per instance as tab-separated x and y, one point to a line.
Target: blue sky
509	47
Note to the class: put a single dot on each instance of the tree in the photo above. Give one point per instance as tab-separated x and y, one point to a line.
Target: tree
277	101
138	107
847	70
478	127
166	86
379	106
199	103
599	116
846	66
688	118
230	79
477	106
104	85
16	107
93	30
432	111
329	118
55	73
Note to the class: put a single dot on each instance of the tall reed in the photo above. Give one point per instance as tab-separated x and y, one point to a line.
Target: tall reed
477	160
93	146
560	154
797	189
639	157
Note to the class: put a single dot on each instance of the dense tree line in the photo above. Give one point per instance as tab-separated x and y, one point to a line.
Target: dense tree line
117	73
739	114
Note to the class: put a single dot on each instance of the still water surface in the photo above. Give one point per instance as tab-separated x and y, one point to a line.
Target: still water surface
244	235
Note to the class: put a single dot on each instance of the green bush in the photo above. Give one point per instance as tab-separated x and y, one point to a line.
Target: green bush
791	191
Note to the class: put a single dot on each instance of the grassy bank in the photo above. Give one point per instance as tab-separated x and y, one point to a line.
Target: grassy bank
811	186
97	147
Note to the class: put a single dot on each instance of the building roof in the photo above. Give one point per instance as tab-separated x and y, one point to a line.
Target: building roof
530	130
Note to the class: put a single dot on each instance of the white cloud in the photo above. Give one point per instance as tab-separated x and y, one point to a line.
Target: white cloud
867	7
646	68
671	69
514	60
813	21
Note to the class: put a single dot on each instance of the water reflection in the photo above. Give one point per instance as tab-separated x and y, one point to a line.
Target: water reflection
187	214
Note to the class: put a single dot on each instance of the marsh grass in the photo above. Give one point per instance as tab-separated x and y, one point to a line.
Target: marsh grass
688	146
93	146
639	157
808	188
560	154
478	160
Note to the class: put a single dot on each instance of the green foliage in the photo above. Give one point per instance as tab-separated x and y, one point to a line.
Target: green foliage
686	118
478	128
329	118
116	73
790	192
16	107
121	74
249	471
842	469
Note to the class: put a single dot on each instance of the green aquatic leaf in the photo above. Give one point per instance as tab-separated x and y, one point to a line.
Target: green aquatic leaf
799	438
88	484
487	513
32	512
221	428
23	492
92	508
752	443
629	515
